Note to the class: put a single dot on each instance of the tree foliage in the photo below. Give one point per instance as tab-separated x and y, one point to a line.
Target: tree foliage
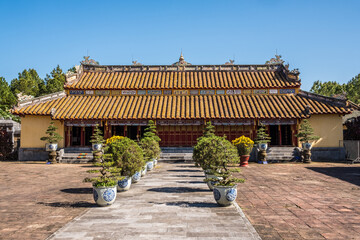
352	131
150	148
98	136
351	89
55	81
29	83
7	98
52	135
262	136
6	145
151	132
306	132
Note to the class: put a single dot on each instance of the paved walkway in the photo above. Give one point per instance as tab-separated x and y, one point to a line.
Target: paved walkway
170	202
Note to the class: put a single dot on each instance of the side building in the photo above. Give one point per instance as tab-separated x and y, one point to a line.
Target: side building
180	98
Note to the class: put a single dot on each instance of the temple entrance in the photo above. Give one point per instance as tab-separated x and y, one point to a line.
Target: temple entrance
281	135
132	132
88	134
118	130
76	136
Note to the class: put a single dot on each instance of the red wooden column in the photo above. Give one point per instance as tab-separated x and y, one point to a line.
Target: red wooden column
280	141
82	136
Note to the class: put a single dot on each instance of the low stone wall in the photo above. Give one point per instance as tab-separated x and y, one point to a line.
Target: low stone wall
328	154
33	154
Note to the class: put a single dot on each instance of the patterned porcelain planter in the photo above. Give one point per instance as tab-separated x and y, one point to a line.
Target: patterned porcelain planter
51	147
104	196
144	171
155	162
211	183
124	185
96	146
136	177
150	165
224	196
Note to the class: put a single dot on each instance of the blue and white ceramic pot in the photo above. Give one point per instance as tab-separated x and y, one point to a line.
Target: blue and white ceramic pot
51	147
144	171
263	146
155	161
150	165
224	195
211	183
136	177
124	185
307	146
104	196
96	146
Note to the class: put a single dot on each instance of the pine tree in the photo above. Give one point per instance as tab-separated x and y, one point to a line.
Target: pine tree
306	132
97	137
262	136
55	81
52	135
209	130
29	83
151	132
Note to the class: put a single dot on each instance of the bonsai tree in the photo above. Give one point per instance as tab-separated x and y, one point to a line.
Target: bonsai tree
150	148
126	155
97	137
52	135
109	174
306	132
151	132
262	136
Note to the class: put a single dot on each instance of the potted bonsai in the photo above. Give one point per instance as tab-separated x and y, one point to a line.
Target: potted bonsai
52	140
305	135
244	146
127	156
151	151
104	185
150	132
262	139
224	154
97	141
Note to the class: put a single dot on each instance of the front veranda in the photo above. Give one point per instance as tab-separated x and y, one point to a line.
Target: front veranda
180	133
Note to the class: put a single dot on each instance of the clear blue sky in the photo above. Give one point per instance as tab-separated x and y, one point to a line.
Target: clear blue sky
320	37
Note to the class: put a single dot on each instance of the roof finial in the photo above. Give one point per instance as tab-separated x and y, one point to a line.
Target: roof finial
181	61
181	58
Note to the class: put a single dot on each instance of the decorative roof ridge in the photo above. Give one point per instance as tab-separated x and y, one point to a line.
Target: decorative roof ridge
44	98
326	99
149	68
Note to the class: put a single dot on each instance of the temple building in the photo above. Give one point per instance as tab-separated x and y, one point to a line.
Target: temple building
180	98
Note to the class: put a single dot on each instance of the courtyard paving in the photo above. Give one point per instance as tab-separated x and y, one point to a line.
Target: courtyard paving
302	201
37	199
170	202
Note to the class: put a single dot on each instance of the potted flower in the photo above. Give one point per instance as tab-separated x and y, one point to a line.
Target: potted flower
104	185
225	154
305	135
262	139
52	140
244	146
128	156
151	151
97	141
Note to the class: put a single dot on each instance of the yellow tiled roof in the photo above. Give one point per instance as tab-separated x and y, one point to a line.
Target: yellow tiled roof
183	80
182	107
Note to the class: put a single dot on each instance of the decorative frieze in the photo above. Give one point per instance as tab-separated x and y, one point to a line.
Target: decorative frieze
82	123
273	91
102	92
181	92
277	121
128	92
207	92
232	122
287	91
154	92
178	122
89	92
76	92
127	122
260	91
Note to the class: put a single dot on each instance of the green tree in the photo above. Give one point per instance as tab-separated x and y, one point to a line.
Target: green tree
353	89
306	132
7	98
52	135
327	88
55	81
29	83
151	132
262	136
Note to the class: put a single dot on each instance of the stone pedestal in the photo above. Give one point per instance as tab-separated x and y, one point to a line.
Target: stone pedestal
52	157
307	156
262	157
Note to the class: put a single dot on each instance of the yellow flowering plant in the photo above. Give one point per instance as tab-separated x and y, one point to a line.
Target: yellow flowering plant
113	139
244	145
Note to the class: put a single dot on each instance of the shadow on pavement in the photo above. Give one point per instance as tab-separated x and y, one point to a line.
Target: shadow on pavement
189	204
348	174
193	182
195	176
183	170
78	190
80	204
177	190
